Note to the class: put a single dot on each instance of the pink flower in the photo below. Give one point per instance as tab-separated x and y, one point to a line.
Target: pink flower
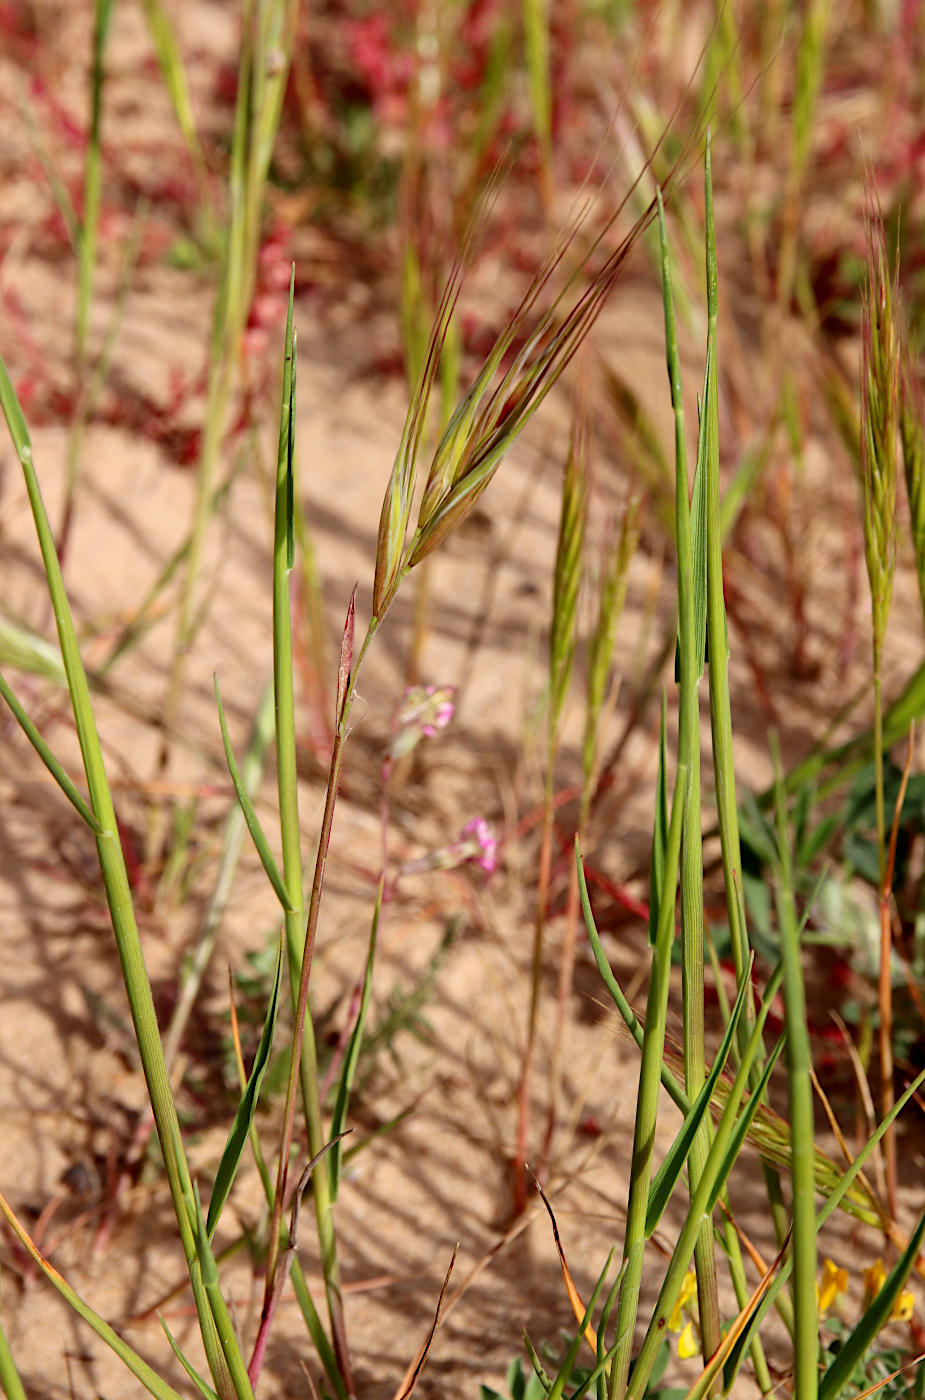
423	710
477	845
483	843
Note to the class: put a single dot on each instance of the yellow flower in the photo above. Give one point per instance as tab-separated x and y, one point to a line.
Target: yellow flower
687	1343
874	1279
688	1289
903	1308
832	1282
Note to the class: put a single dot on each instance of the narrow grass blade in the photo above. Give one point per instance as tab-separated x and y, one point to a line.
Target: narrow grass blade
691	546
584	1324
9	1376
857	1345
170	61
250	816
539	1370
204	1390
667	1175
744	1123
352	1056
244	1117
51	763
717	636
631	1020
151	1381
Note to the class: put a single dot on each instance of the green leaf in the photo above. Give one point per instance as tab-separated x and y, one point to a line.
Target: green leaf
854	1350
9	1376
15	420
204	1389
610	982
244	1117
666	1177
744	1122
56	770
250	815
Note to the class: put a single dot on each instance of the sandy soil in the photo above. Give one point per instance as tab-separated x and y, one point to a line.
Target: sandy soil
70	1093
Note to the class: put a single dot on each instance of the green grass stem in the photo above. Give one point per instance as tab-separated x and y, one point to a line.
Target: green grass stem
650	1074
691	628
800	1096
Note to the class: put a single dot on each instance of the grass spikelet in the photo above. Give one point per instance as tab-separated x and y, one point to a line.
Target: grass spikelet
495	409
396	505
879	422
567	580
480	433
879	416
912	434
601	644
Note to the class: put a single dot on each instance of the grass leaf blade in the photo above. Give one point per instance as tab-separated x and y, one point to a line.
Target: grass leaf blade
205	1390
56	770
237	1137
261	843
667	1175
